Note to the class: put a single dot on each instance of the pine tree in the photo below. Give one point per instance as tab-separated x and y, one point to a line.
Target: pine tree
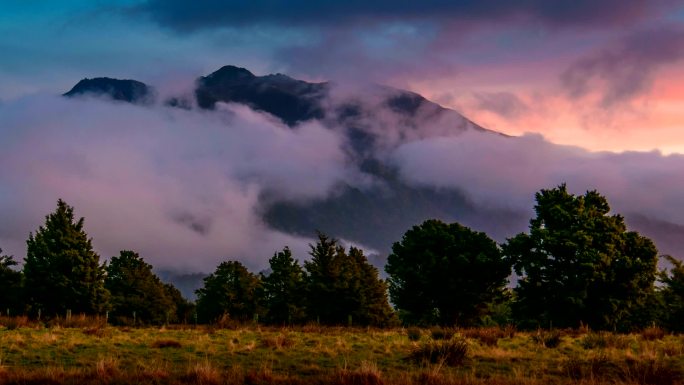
61	269
340	285
283	289
134	288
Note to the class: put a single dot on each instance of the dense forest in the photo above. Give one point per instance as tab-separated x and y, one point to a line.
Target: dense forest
578	265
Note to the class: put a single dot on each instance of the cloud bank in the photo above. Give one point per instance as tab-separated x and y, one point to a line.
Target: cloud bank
497	171
180	187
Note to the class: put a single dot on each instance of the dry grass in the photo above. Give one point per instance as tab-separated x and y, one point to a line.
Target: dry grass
314	354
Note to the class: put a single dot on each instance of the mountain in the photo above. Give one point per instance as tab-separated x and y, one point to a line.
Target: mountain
291	100
374	119
131	91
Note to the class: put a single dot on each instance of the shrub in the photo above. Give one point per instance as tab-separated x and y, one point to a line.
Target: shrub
279	341
439	333
413	333
489	335
12	323
653	333
603	340
547	338
651	372
162	344
452	352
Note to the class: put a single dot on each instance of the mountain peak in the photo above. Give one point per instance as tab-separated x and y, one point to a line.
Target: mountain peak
230	73
126	90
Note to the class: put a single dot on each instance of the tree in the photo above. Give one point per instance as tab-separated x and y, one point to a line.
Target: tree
341	285
61	269
230	290
10	285
673	295
445	273
579	264
184	308
134	288
283	289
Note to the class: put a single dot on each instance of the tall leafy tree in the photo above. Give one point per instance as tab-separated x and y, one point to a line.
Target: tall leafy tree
61	269
445	273
673	295
579	264
283	289
10	285
134	288
340	285
230	290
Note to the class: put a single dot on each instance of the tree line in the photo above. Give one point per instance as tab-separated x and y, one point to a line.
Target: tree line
577	265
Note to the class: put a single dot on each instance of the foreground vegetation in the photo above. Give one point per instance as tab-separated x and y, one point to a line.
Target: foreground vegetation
86	351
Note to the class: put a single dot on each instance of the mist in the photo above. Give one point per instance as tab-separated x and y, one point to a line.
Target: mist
180	187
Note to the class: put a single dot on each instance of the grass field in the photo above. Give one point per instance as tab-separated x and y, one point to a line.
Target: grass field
263	355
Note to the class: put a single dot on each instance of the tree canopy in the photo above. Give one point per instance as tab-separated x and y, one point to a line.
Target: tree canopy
10	285
340	285
445	273
134	288
230	290
282	290
579	264
61	269
673	295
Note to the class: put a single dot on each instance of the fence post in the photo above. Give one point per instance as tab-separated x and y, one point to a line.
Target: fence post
68	315
134	318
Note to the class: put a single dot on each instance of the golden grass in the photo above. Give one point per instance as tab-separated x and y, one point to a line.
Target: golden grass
321	355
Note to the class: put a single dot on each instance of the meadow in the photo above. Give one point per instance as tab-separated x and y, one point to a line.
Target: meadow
87	352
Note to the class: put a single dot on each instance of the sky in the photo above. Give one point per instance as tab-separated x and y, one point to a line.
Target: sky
598	86
603	75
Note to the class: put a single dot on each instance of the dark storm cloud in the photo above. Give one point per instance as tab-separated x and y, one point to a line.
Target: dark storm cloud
626	69
184	15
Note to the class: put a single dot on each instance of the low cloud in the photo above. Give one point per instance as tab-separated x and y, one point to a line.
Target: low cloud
181	187
505	172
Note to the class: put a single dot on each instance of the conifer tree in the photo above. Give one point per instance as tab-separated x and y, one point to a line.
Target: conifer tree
61	270
282	289
134	288
340	285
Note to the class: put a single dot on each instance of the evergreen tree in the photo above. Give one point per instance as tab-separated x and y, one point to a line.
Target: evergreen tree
230	290
10	285
445	273
341	285
134	288
61	269
579	264
673	295
282	290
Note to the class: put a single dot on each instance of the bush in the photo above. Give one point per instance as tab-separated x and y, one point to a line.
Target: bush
439	333
12	323
162	344
653	333
489	335
547	338
414	333
452	352
603	340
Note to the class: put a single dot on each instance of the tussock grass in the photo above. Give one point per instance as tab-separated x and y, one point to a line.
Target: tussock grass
444	352
314	354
